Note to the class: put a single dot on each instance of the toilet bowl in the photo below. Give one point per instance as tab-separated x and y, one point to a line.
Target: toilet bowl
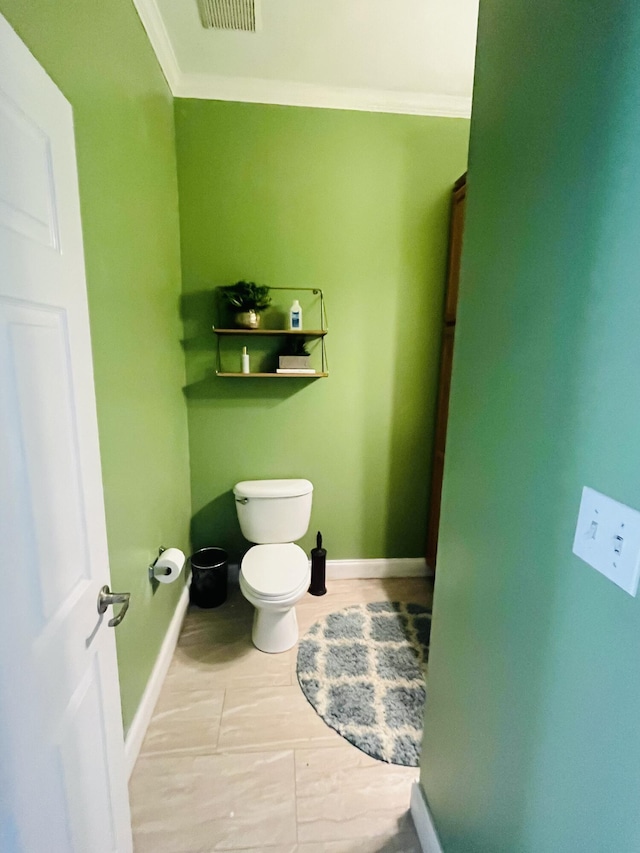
274	594
275	572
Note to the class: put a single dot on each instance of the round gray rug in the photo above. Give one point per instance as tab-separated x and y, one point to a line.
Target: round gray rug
363	671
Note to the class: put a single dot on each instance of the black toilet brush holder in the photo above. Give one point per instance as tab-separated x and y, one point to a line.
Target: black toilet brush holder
318	568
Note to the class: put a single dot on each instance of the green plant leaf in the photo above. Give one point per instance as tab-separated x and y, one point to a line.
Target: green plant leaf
246	296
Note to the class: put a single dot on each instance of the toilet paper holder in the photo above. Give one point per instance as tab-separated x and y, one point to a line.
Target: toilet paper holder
153	572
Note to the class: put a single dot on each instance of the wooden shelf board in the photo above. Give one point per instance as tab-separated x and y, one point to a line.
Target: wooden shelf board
274	375
309	333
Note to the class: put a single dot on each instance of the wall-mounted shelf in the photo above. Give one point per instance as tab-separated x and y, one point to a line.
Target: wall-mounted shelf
274	333
307	333
275	375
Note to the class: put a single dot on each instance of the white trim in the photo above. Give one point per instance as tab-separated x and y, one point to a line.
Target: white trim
285	93
423	821
151	18
411	567
138	728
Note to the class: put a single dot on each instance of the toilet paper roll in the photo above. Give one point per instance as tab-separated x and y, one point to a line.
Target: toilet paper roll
169	565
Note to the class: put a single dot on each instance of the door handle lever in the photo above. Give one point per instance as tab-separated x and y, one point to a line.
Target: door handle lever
106	598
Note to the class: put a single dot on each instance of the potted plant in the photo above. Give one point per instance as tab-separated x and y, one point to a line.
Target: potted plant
246	300
294	355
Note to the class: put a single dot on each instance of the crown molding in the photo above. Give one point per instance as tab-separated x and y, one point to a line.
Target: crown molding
260	91
153	24
285	93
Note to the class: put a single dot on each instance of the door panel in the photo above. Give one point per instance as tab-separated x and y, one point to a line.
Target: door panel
27	203
42	398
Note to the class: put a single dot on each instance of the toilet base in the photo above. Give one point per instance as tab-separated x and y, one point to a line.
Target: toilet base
274	631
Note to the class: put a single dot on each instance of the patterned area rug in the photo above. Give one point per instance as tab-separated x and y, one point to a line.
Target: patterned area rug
363	670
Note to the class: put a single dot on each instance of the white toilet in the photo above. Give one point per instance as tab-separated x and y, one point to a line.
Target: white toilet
275	573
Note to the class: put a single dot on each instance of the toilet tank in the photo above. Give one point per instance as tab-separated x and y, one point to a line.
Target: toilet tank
271	511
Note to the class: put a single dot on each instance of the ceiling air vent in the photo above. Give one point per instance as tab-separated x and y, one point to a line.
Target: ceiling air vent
229	14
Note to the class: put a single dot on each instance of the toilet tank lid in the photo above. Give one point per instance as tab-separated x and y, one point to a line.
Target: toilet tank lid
272	488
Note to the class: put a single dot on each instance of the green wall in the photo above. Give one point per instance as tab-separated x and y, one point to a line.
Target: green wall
99	56
356	204
532	737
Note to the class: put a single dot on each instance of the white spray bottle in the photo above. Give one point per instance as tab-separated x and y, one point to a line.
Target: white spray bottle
295	315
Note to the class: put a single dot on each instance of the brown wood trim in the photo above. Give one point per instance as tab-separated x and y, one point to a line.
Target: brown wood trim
456	230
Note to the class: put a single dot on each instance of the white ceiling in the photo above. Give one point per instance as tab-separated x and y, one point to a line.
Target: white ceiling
412	56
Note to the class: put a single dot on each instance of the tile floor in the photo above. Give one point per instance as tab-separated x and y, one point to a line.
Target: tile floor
236	759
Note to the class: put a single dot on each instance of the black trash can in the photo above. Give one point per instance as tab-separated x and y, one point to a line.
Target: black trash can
210	570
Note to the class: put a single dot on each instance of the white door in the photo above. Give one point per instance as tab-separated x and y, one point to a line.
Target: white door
62	773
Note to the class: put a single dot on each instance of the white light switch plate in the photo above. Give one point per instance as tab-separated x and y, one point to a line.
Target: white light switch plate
608	538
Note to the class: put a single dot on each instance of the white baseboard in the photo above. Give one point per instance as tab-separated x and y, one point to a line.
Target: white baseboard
138	728
423	821
400	567
412	567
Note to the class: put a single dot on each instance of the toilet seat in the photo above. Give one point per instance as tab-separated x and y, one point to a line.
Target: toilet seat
273	572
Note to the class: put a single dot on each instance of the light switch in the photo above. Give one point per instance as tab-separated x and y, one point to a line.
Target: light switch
608	538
